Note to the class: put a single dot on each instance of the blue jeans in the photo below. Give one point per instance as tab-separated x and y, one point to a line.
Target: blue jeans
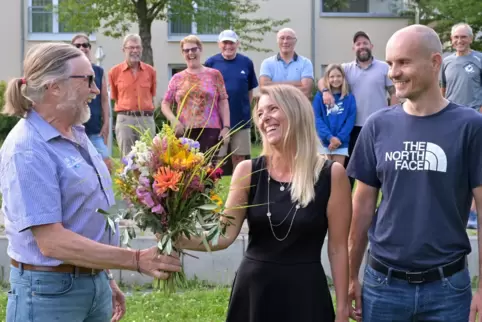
47	296
98	142
387	299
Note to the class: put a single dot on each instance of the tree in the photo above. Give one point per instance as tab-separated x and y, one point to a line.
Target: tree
443	14
116	17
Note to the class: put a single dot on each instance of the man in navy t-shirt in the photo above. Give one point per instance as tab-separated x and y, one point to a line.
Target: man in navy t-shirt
240	80
425	157
97	127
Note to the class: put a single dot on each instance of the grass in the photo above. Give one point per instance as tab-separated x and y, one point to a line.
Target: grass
198	304
189	306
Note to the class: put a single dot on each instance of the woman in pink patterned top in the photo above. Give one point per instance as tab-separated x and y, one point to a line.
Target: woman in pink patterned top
201	93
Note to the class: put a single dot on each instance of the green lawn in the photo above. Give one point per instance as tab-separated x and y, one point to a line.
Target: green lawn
195	305
198	304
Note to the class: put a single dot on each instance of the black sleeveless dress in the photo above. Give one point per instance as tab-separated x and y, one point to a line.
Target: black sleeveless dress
283	281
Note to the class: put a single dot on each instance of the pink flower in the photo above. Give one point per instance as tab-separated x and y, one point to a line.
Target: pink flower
145	197
196	184
158	209
157	140
144	182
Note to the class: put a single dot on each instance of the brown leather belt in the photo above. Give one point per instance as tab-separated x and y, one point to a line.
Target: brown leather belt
62	268
136	113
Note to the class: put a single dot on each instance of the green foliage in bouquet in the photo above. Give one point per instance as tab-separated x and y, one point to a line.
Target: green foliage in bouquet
171	189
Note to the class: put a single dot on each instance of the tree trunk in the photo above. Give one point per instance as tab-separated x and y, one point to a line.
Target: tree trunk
145	24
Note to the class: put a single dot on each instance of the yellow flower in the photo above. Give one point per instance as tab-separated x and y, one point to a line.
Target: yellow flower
182	160
218	201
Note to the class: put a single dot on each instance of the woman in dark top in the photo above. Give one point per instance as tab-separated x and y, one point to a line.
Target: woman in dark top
294	197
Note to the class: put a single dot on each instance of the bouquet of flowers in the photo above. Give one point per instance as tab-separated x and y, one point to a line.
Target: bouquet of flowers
172	189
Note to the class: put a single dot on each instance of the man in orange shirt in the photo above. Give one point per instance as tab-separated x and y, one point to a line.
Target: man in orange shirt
133	88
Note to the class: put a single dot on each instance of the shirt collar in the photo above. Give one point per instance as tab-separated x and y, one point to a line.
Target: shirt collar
126	66
295	57
371	63
47	131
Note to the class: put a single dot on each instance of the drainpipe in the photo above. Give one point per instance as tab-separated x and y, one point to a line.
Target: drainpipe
22	34
313	35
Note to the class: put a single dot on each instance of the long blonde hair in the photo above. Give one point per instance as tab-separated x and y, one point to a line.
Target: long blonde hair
300	139
345	89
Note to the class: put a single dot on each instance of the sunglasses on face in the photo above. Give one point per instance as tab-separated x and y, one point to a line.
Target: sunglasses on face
90	78
193	50
84	45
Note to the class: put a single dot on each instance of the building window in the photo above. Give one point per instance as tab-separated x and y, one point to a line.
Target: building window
346	6
41	16
44	21
183	25
175	68
323	69
363	7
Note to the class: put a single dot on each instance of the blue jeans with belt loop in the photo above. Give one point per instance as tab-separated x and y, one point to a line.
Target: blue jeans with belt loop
49	296
388	299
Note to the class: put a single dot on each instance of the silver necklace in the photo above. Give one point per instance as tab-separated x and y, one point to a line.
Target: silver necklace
268	214
282	187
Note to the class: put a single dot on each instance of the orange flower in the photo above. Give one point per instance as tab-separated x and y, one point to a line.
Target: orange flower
166	179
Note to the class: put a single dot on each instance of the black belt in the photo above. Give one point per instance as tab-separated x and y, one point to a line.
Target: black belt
136	113
427	276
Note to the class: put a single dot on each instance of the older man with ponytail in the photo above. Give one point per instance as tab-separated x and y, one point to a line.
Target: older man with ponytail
53	180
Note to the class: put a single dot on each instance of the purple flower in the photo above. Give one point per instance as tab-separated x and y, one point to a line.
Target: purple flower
145	197
191	143
129	163
144	181
158	209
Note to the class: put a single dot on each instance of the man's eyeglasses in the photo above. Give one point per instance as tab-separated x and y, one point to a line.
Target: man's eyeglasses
85	45
89	77
193	50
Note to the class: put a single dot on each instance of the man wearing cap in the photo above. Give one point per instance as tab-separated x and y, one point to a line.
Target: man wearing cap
369	83
287	67
239	80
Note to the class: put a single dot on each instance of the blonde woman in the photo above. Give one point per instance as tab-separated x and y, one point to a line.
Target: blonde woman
335	123
201	93
291	196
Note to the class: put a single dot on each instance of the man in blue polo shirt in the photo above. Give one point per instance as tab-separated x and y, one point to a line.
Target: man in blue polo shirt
239	80
97	128
287	67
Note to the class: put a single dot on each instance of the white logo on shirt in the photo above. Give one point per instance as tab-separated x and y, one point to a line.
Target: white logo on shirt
72	162
242	72
418	156
336	109
469	68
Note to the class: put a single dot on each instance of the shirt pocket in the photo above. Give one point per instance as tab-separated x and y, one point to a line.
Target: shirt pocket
79	179
123	86
145	91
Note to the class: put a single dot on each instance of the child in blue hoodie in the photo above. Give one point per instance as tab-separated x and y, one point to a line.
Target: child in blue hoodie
335	123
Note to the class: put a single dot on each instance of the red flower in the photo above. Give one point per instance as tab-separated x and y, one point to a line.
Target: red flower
216	174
